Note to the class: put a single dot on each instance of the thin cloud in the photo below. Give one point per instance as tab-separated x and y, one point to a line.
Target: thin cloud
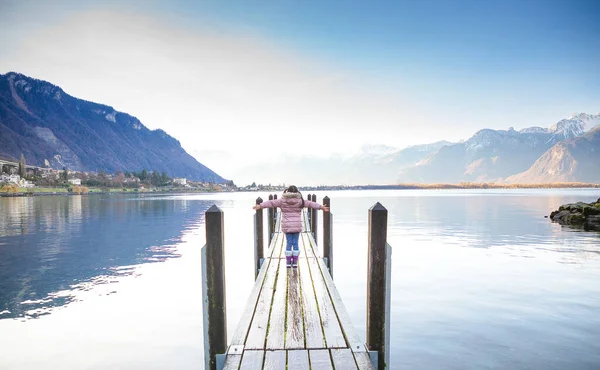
210	89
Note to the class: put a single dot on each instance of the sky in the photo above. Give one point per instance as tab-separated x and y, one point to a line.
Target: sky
240	82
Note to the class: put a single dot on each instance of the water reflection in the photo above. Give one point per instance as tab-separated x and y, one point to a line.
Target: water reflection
479	279
52	247
477	220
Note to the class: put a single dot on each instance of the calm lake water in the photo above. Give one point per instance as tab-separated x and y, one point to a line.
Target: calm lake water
481	280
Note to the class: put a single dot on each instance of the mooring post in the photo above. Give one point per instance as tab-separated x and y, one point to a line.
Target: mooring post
213	288
270	222
315	217
327	236
274	213
258	238
378	286
309	211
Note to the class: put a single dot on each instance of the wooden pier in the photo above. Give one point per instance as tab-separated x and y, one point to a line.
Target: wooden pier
294	317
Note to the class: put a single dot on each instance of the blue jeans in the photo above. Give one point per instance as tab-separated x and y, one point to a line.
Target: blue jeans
291	249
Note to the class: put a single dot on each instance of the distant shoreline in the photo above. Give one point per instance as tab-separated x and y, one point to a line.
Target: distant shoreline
38	192
52	191
557	185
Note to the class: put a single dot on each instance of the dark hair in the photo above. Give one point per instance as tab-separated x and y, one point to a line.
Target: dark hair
294	189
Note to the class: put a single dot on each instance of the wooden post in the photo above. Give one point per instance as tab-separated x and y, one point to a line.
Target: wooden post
274	214
314	219
213	288
258	238
309	211
271	218
378	285
327	236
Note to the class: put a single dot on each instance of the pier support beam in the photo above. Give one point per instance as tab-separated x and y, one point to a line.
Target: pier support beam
213	288
259	239
378	286
328	236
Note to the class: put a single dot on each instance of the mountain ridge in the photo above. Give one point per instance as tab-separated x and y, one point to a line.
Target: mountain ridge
53	128
489	155
494	155
572	160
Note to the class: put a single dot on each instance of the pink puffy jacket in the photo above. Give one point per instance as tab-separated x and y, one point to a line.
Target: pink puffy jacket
291	210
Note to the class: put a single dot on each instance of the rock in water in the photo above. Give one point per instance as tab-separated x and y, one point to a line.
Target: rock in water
580	214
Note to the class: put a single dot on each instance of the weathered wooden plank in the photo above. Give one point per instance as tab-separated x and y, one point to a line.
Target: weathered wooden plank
363	361
298	360
258	328
277	221
276	334
252	360
344	318
274	250
312	249
275	360
305	247
343	359
295	326
354	341
232	362
241	331
314	308
334	336
320	359
304	220
312	320
239	336
276	242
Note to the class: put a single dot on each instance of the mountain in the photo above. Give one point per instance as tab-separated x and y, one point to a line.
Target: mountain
372	164
381	165
572	160
575	126
414	154
52	128
492	155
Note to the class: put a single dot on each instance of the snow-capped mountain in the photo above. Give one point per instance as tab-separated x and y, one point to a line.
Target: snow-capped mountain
488	156
533	130
492	155
576	125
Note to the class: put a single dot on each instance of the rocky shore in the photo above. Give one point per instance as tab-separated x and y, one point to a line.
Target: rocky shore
580	214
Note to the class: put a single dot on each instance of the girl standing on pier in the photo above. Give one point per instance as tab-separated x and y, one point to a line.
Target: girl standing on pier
291	204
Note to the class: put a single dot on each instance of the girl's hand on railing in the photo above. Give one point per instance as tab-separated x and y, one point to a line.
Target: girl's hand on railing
325	208
256	207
